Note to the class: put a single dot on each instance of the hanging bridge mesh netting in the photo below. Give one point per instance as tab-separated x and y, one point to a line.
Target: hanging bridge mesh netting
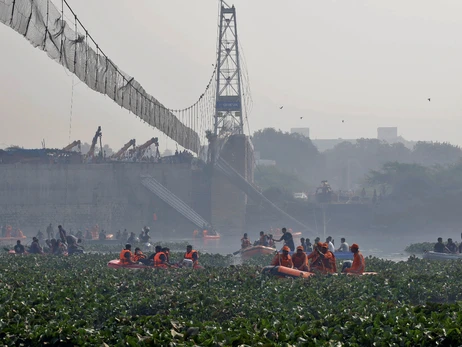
44	25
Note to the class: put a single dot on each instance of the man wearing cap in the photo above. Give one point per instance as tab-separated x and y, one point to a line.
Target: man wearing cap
359	264
283	259
316	262
300	260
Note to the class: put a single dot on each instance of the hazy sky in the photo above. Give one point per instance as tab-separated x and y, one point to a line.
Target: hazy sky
371	63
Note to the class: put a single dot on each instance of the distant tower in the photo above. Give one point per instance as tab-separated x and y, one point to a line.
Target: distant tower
228	109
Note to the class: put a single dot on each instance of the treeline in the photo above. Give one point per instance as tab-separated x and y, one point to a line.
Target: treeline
300	166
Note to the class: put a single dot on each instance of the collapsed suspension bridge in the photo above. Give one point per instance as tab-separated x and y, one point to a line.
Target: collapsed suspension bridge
213	118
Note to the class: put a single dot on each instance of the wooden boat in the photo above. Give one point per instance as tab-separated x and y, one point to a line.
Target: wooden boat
441	256
253	251
211	237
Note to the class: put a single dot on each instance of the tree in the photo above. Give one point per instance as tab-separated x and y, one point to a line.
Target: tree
293	153
431	153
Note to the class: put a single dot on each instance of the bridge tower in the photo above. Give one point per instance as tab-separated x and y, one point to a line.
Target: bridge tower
228	201
228	108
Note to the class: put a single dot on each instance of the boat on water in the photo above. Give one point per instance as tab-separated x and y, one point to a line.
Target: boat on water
116	264
253	251
441	256
284	272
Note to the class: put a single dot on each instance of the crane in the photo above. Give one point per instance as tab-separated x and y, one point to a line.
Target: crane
142	149
91	152
130	143
70	146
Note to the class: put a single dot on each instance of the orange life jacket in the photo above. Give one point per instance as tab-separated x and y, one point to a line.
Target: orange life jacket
137	257
359	264
299	260
158	262
122	258
329	262
282	260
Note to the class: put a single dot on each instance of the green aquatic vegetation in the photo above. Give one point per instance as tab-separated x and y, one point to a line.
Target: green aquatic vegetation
78	300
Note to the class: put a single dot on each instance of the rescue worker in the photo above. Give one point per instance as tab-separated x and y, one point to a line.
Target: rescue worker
316	261
288	239
35	247
283	259
359	264
161	260
126	255
166	250
18	248
151	257
263	239
62	233
451	246
328	259
138	256
440	247
192	254
309	246
300	260
245	242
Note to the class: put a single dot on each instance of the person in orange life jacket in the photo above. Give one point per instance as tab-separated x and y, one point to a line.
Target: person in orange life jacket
328	259
139	256
283	259
126	255
161	259
166	250
359	264
151	257
191	254
245	242
316	262
300	260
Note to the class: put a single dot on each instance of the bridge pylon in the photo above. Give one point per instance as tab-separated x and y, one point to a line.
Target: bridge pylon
228	107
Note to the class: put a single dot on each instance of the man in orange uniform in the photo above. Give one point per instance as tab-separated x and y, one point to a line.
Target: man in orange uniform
328	259
283	259
126	255
300	260
359	264
316	262
192	254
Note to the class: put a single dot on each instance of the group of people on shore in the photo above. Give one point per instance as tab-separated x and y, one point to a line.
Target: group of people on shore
159	259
